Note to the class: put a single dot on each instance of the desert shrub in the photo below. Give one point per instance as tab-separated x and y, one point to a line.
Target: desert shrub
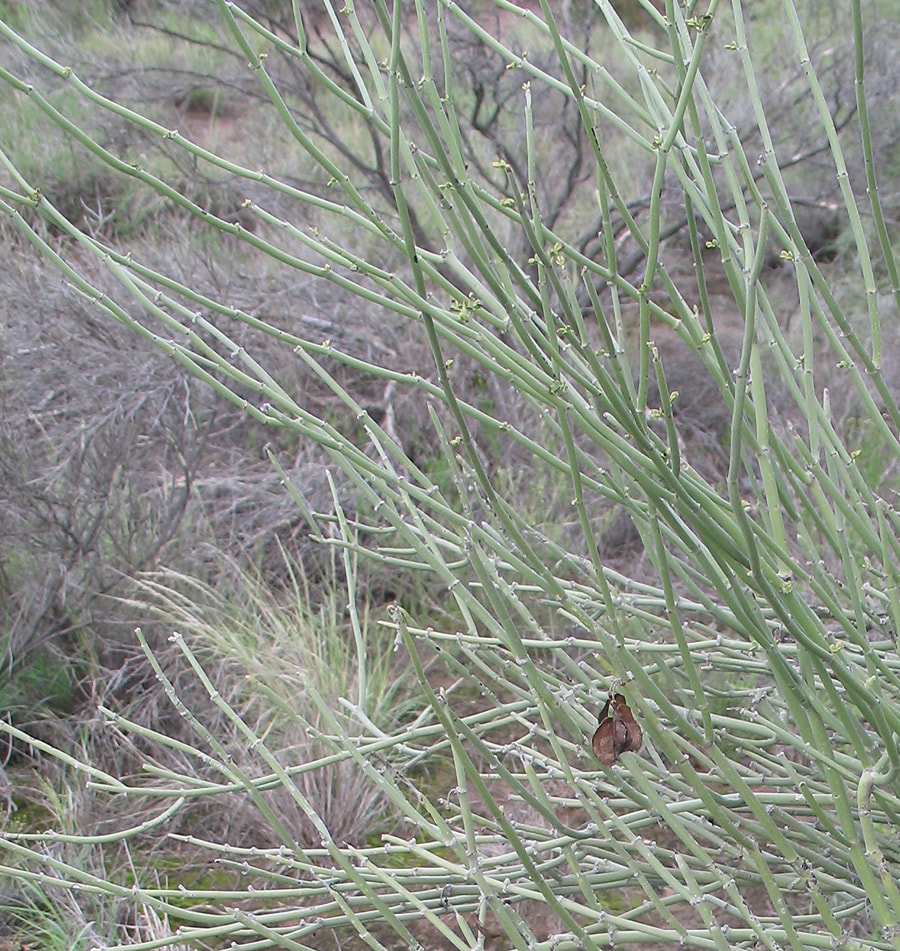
634	436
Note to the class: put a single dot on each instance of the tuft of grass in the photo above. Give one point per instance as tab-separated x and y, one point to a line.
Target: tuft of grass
47	680
301	662
68	917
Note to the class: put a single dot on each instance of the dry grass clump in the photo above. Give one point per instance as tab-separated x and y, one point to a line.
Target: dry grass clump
290	660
